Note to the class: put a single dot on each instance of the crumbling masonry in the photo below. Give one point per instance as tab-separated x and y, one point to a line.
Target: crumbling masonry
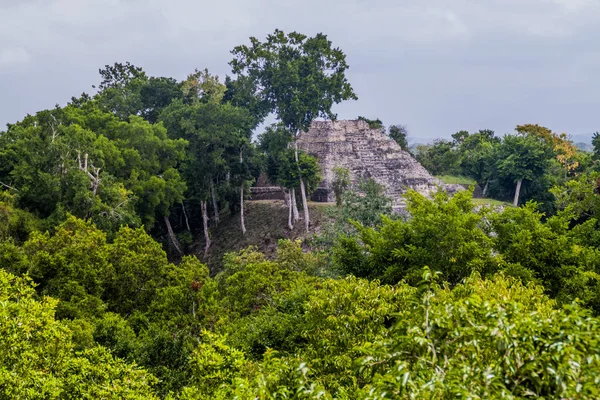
366	153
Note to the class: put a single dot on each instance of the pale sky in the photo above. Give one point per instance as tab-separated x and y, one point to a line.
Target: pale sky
437	66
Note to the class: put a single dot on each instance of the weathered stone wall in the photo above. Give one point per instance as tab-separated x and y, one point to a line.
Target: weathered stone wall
266	193
366	153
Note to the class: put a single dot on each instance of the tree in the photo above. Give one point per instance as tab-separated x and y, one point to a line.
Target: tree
580	196
452	350
156	94
596	144
399	133
522	158
340	183
477	157
443	233
367	207
440	158
297	77
15	224
38	358
274	143
119	91
459	137
216	133
564	149
84	161
241	157
292	164
201	86
119	75
373	123
126	90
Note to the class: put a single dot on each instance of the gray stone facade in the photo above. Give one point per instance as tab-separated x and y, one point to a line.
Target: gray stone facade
366	153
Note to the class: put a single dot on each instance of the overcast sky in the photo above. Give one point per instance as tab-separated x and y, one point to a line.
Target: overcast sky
437	66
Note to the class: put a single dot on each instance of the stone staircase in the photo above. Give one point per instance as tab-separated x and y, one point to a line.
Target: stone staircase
366	153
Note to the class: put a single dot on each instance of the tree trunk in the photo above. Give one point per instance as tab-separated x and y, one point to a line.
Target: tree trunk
290	225
305	205
285	197
205	225
242	209
215	203
294	205
187	223
172	235
517	192
302	191
485	188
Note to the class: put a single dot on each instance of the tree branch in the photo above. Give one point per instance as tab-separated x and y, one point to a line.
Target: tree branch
8	186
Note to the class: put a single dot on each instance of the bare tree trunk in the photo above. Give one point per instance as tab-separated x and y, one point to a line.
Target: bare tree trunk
285	197
53	127
517	192
305	205
485	188
94	175
290	225
294	205
242	209
215	203
205	225
187	223
302	191
95	178
172	235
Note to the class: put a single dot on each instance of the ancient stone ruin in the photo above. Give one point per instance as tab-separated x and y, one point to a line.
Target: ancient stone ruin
366	153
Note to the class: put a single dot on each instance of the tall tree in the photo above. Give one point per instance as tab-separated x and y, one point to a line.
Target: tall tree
477	157
439	158
293	164
274	142
564	149
216	132
297	77
126	90
119	90
522	158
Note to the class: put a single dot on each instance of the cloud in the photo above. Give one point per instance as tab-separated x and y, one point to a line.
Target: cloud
436	65
13	56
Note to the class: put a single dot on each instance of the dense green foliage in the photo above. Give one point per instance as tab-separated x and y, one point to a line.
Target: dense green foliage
519	167
399	134
296	334
39	358
272	328
87	162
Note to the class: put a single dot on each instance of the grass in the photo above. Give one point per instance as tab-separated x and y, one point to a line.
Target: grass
491	202
461	180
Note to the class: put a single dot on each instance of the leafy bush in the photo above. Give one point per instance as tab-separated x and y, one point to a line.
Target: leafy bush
38	360
442	233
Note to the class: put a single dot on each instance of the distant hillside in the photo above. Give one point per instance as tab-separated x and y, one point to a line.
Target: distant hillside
583	142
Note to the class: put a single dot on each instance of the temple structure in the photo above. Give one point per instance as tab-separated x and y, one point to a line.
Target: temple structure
366	153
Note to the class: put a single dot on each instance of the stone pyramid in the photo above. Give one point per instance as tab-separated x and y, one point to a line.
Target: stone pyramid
366	153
